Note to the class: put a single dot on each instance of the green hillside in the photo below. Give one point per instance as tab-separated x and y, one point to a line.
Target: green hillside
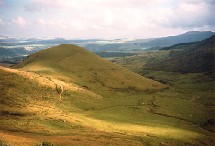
188	58
87	69
31	113
181	46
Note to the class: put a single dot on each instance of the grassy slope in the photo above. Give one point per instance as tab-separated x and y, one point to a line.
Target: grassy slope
181	46
98	115
31	112
190	97
198	57
86	69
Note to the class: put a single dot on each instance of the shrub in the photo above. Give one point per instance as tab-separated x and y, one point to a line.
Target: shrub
3	144
45	143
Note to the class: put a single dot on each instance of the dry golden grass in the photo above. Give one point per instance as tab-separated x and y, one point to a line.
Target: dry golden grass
96	138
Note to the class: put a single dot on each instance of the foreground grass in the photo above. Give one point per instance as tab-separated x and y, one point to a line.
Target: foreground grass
116	118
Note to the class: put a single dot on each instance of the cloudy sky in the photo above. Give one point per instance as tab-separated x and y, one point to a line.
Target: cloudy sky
104	18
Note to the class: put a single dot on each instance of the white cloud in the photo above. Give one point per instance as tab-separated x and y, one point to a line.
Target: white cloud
114	18
20	21
190	15
2	22
41	22
108	17
1	2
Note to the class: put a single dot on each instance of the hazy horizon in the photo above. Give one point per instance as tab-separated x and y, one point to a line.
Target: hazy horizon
104	19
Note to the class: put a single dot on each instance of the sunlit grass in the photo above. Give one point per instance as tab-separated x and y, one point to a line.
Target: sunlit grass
135	111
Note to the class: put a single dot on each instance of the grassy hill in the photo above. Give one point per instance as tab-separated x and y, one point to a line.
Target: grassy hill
31	113
87	69
181	46
102	104
195	57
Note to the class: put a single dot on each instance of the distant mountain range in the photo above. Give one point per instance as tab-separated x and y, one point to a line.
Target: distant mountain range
142	44
191	36
11	47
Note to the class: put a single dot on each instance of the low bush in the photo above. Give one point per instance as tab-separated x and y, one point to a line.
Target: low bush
45	143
